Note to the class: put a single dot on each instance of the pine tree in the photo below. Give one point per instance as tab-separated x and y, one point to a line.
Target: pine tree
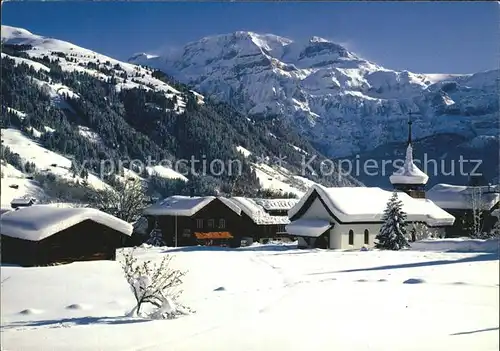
392	235
156	238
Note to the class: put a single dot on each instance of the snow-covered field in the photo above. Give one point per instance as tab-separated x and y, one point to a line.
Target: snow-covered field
266	297
47	161
44	160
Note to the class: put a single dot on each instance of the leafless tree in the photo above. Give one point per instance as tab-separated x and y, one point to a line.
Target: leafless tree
476	201
479	212
126	201
154	284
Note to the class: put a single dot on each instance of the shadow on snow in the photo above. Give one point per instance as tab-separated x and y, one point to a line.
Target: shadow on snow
68	322
476	331
476	258
227	249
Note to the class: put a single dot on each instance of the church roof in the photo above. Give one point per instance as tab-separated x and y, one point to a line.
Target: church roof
367	204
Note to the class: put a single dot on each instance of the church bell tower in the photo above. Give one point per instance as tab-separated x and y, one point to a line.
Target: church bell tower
409	178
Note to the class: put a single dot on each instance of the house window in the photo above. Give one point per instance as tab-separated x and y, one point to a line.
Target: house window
367	237
222	223
210	223
186	233
199	223
351	237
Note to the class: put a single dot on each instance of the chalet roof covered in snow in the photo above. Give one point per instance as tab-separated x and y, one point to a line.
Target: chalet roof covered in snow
38	222
308	227
462	197
276	204
253	209
22	202
409	173
367	204
185	205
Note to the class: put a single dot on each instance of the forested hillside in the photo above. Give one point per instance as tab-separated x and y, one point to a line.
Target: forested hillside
126	119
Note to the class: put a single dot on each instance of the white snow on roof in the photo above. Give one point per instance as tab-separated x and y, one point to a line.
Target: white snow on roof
22	201
461	197
364	204
276	204
409	173
38	222
256	211
312	228
185	205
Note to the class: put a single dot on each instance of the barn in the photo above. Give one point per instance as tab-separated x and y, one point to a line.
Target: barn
43	234
264	219
351	217
192	220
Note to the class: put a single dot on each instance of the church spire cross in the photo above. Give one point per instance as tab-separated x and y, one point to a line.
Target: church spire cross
409	127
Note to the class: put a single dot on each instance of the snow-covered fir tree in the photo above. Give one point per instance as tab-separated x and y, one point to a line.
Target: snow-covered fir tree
392	235
156	238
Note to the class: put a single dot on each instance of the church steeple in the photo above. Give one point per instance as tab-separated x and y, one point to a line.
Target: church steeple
409	128
409	178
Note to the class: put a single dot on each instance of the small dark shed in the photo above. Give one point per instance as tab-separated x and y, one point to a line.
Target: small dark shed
43	234
264	219
22	202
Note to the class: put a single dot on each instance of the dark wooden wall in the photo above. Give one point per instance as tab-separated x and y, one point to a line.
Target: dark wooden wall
238	226
187	226
85	241
259	232
464	222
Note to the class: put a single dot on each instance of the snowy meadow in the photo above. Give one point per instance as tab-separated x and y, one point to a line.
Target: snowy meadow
439	294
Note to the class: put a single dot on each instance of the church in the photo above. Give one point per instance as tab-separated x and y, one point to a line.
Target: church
351	217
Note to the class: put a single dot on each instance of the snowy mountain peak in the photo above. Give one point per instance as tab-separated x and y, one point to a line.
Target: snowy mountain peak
344	104
316	39
12	32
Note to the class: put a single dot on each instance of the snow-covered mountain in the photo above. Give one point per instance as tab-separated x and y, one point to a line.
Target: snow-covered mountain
73	58
64	73
342	102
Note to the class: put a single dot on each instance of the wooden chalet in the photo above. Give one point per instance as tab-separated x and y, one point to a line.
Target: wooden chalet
44	234
460	201
190	220
186	221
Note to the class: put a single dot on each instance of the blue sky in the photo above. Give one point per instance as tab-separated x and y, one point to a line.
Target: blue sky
426	37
